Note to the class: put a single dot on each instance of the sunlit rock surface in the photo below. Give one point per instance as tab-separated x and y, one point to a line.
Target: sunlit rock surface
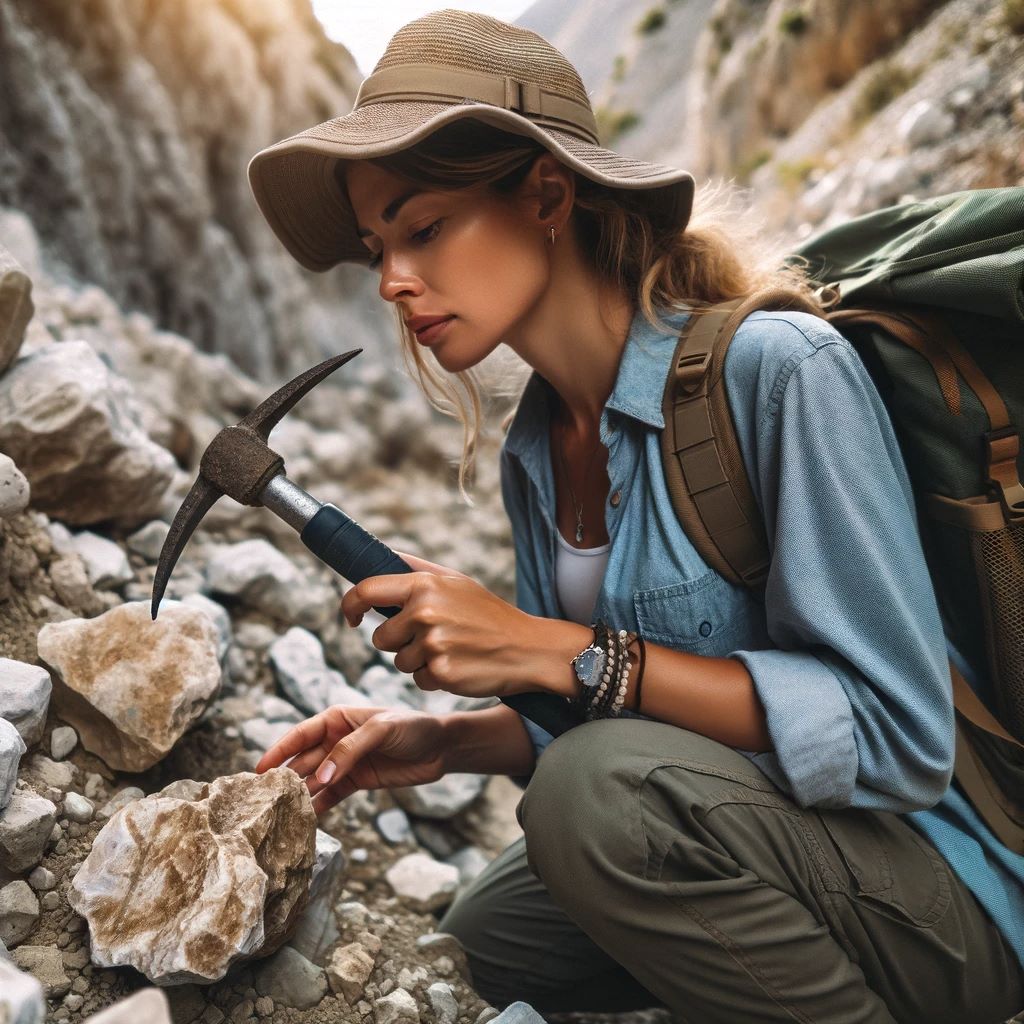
132	686
183	883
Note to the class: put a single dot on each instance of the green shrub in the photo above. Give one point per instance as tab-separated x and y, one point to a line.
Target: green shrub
794	23
1013	16
651	21
887	81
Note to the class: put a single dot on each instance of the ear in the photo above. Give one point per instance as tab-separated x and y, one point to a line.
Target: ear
548	191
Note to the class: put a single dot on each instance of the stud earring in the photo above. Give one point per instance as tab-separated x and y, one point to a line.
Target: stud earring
551	228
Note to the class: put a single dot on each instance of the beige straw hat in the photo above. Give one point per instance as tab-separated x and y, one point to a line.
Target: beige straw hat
437	69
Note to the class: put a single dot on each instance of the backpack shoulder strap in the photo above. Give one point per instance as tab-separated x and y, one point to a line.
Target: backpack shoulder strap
704	470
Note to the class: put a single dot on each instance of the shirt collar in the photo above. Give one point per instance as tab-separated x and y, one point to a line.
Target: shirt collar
638	390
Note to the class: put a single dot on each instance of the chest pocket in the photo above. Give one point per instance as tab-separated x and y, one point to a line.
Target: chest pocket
707	615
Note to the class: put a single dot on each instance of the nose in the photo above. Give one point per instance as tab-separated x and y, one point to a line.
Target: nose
396	280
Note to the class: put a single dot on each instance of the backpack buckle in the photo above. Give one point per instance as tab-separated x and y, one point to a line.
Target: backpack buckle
690	369
1002	446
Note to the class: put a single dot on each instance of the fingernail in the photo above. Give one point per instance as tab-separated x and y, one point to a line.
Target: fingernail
326	773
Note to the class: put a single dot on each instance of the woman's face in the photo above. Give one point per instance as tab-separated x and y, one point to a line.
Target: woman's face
467	254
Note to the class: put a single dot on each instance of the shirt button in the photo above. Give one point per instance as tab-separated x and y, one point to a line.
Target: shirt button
705	629
615	499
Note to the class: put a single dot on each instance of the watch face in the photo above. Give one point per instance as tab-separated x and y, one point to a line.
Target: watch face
588	667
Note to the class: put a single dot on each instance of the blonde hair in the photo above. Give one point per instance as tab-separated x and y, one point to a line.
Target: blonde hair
618	229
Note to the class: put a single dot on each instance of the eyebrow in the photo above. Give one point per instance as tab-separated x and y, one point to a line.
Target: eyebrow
391	210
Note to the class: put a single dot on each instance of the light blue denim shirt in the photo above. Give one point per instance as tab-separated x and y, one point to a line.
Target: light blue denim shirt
847	651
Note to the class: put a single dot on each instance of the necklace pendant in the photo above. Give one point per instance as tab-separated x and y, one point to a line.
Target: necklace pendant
579	534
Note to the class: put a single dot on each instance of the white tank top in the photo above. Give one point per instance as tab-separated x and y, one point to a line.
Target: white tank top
578	576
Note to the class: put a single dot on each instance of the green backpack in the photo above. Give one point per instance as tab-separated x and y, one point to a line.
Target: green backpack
930	296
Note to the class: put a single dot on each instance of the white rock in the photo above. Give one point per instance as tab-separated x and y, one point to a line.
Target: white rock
77	808
12	746
444	798
444	1003
148	541
75	429
148	1006
24	697
259	734
132	686
393	825
181	884
291	980
298	662
14	488
121	799
21	996
217	614
105	562
423	883
394	1007
519	1012
263	578
317	930
42	879
19	911
63	740
470	861
924	124
25	827
384	686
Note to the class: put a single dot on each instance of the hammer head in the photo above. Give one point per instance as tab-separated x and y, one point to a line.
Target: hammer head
238	462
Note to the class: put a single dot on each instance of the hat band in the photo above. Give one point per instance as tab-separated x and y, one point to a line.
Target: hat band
429	83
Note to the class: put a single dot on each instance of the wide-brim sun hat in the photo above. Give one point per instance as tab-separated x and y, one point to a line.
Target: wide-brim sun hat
443	67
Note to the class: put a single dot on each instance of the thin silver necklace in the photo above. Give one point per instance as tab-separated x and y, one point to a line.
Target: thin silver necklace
565	469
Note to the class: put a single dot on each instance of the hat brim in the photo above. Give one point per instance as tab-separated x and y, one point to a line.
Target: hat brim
295	187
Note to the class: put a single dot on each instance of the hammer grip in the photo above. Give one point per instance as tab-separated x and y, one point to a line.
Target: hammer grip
356	554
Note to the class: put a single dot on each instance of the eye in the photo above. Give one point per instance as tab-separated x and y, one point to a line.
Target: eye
423	237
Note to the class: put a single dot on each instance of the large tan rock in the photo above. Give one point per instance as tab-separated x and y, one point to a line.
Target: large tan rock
15	307
129	685
184	883
75	430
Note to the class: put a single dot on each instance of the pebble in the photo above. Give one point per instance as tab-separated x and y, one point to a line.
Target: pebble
19	912
395	1006
486	1014
77	808
264	1006
243	1011
42	878
95	786
444	1003
50	901
73	1001
63	740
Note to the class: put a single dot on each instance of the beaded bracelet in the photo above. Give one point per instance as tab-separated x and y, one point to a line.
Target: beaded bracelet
607	699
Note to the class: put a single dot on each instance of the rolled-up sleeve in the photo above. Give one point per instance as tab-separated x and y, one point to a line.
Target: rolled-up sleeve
528	596
857	692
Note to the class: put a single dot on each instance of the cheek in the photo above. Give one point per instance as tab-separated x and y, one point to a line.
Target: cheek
506	264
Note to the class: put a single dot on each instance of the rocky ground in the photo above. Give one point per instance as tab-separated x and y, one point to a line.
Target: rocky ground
102	419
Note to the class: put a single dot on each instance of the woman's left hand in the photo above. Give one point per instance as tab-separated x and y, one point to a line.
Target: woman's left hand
452	633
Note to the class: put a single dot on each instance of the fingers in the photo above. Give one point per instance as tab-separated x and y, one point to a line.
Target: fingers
309	733
422	565
376	591
327	797
349	751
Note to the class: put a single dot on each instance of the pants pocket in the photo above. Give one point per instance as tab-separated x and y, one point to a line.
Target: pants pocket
889	867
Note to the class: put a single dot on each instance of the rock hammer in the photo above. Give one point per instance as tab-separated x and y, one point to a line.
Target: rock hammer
239	462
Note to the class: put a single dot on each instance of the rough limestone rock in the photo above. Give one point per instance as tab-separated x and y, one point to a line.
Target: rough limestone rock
46	965
182	884
304	676
19	911
24	697
25	827
396	1006
132	686
422	882
444	798
75	430
349	971
105	561
263	578
14	488
12	746
21	996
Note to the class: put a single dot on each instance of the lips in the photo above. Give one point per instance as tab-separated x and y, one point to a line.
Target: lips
417	323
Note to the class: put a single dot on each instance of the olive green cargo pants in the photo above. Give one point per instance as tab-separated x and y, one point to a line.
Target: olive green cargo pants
660	868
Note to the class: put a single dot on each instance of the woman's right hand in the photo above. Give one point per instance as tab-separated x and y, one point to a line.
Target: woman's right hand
366	748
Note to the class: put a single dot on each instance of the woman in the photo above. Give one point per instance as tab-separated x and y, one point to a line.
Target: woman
724	836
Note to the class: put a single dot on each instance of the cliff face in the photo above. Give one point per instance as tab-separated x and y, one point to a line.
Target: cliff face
125	131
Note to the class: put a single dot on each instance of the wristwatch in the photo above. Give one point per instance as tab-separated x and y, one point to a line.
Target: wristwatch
589	665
